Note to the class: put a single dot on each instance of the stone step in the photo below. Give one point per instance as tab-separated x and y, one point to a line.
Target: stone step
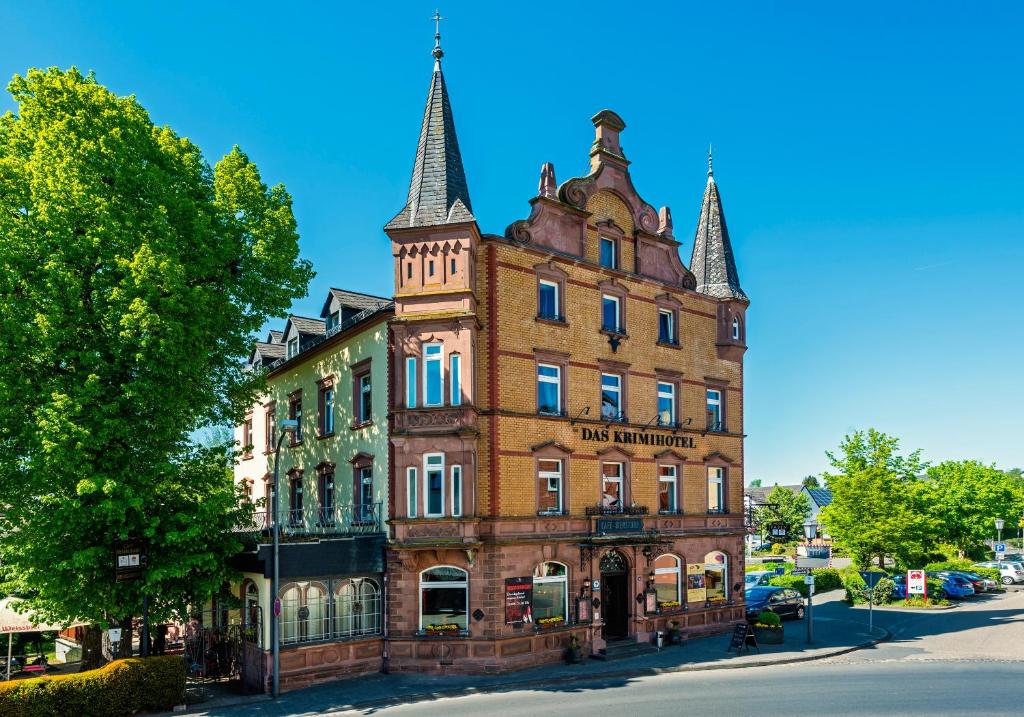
624	650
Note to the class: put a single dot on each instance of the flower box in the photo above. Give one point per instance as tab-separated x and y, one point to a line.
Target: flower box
550	622
670	606
769	635
434	630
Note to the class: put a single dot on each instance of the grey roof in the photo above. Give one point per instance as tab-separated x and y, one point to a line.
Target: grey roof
275	337
306	325
354	300
438	193
269	352
712	262
821	496
760	494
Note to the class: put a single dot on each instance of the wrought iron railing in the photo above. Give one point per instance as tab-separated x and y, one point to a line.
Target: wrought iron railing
316	520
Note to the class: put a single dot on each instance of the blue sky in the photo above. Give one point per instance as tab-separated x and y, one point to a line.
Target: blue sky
870	159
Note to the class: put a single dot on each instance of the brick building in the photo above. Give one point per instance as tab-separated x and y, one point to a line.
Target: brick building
566	426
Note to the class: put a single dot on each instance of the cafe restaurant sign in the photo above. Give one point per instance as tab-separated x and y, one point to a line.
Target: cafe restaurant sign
636	438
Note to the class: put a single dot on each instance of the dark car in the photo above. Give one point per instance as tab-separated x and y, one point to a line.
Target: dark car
784	602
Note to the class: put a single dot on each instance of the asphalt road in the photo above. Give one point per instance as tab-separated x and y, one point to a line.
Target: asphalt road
969	660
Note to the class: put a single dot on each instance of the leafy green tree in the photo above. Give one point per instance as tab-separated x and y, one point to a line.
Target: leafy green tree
879	504
756	483
810	482
132	276
787	507
965	497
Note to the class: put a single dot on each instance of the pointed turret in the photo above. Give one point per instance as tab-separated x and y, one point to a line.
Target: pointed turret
438	193
712	262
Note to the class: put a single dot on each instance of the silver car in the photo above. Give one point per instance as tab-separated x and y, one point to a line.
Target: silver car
1009	573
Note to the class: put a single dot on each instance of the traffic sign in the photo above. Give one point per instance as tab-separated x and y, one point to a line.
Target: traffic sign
871	577
1000	555
808	580
999	547
800	571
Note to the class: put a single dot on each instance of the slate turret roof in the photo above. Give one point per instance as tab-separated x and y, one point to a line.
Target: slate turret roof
712	262
438	193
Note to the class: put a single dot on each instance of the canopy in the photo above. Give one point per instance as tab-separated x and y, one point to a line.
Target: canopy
12	621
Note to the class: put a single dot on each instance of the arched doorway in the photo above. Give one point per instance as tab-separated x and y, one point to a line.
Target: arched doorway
615	595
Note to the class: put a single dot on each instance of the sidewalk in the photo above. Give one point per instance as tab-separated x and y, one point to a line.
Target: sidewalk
833	635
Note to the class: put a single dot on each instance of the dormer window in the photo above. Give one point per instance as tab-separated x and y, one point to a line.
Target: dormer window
609	253
257	364
293	346
333	320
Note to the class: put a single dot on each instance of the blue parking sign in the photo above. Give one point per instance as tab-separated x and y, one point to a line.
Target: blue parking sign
999	547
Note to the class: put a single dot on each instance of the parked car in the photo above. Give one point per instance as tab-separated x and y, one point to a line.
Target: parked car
980	584
784	602
758	577
1009	573
953	586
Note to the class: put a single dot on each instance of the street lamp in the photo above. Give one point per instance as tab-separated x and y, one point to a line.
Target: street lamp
999	529
287	425
810	530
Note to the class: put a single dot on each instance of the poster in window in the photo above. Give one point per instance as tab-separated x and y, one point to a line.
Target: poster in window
583	609
650	602
519	600
696	588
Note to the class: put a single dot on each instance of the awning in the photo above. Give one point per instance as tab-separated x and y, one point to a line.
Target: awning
12	621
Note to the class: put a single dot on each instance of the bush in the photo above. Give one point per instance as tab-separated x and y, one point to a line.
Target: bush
790	581
856	588
827	579
778	549
119	688
767	618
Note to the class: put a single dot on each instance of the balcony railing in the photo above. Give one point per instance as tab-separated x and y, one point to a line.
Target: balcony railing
315	521
617	510
614	329
716	426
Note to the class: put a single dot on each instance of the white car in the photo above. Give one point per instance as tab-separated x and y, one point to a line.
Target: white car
1009	573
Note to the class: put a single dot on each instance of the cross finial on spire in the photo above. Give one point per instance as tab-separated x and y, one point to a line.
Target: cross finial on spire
438	52
710	172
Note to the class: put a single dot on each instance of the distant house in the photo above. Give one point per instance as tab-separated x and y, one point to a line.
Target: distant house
819	497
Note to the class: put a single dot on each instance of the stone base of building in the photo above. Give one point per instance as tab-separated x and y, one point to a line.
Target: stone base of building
307	665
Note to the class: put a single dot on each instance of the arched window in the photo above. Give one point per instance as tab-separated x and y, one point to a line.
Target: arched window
444	597
317	626
550	593
667	581
356	608
291	604
250	604
716	573
735	328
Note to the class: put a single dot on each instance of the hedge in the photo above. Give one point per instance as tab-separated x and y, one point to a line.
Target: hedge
965	566
824	580
119	688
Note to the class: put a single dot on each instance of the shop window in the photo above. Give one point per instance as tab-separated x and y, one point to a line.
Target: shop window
668	489
549	389
609	253
433	485
666	404
433	375
611	487
550	593
410	382
357	607
412	486
304	612
611	397
444	597
715	414
715	574
667	327
716	490
549	486
291	602
668	581
454	378
332	608
456	491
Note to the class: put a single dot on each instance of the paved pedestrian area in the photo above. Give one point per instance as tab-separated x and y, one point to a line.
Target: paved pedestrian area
837	630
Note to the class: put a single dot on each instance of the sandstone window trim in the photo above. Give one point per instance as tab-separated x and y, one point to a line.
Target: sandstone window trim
550	275
543	455
326	398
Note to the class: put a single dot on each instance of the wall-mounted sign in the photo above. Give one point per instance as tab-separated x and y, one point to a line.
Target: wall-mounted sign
637	438
696	587
518	600
620	525
650	602
583	609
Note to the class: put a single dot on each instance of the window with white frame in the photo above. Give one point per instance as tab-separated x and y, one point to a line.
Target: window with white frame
609	253
714	410
549	485
293	347
611	313
548	304
456	491
410	382
716	489
433	485
666	403
305	609
357	607
666	326
412	491
454	363
611	397
611	486
550	593
364	494
668	489
668	581
328	608
333	320
364	387
549	389
444	597
433	375
716	570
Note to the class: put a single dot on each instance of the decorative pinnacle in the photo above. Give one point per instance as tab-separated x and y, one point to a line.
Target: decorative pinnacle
438	53
710	172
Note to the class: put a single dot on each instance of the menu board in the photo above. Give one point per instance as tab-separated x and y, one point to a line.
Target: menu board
518	600
696	588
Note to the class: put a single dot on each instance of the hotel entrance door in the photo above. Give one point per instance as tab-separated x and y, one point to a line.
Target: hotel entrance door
615	596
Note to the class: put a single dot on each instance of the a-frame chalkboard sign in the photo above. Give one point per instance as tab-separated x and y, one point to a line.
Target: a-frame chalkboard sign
742	638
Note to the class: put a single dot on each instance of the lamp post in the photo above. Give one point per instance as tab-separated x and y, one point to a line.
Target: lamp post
810	528
999	529
286	426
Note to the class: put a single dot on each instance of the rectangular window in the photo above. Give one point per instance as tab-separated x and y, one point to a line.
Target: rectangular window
430	268
295	413
609	253
364	494
293	347
668	489
548	307
410	382
433	378
716	490
408	270
333	320
549	389
271	424
715	410
453	268
295	501
456	491
365	407
611	397
611	487
454	362
411	494
326	410
247	437
433	485
326	493
611	316
666	404
549	486
666	327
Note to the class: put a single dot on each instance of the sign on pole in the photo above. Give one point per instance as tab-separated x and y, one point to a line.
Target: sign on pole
917	583
871	577
999	547
1000	555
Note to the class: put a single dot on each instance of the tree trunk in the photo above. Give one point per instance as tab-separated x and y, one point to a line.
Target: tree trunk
92	649
881	560
125	647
